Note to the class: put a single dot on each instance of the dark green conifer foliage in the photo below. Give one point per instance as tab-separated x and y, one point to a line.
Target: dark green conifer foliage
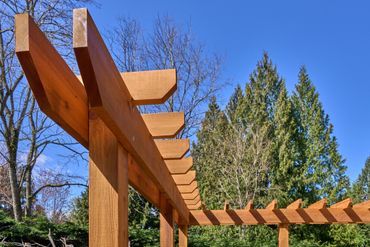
320	164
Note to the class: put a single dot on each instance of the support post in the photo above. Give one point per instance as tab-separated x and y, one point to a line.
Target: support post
166	223
283	235
108	190
183	236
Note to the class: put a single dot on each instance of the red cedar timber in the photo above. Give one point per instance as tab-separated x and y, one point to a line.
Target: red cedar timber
108	189
110	100
150	87
173	149
184	179
58	92
180	166
61	96
165	124
281	216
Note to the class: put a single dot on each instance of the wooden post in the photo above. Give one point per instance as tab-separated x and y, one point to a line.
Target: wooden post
108	190
183	236
283	235
166	223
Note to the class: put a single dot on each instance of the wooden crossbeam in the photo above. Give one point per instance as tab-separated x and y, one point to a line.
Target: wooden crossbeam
346	203
193	201
365	204
319	204
272	205
173	149
110	99
296	204
150	87
249	205
188	188
226	205
184	179
190	196
179	166
58	92
196	206
280	216
164	125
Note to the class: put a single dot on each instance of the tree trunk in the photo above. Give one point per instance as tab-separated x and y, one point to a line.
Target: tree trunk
29	198
17	209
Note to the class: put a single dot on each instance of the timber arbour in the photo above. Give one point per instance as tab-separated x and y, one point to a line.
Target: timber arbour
99	109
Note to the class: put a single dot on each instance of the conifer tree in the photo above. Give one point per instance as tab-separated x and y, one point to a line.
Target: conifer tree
257	112
322	170
205	151
283	176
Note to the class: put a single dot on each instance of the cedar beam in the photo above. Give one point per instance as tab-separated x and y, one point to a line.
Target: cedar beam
165	124
179	166
183	236
108	188
173	149
150	87
166	236
110	100
62	96
283	235
356	215
57	90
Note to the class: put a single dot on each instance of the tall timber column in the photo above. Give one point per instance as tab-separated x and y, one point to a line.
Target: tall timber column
283	235
108	187
166	223
183	236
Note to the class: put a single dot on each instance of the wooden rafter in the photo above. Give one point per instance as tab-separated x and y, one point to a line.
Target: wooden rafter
341	213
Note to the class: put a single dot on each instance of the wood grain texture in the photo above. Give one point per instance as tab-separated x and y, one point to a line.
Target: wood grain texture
188	188
190	196
280	216
110	100
57	90
272	205
346	203
184	179
283	235
195	206
108	188
183	236
179	166
192	201
166	232
319	204
173	149
164	124
296	204
150	87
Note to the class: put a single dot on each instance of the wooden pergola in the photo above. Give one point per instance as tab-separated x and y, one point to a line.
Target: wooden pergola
99	109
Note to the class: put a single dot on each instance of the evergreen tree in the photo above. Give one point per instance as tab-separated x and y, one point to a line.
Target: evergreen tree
257	112
206	152
322	170
234	102
80	210
360	189
283	176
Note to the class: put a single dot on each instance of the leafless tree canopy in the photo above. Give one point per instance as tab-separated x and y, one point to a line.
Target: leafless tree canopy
25	132
170	46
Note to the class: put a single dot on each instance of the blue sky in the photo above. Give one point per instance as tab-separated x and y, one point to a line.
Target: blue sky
331	38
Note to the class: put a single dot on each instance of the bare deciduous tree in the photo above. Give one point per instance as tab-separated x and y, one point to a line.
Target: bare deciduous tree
169	46
24	131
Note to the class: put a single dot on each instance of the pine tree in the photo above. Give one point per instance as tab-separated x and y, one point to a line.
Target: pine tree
322	170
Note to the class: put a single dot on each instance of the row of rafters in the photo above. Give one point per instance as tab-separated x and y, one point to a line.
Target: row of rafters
317	213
